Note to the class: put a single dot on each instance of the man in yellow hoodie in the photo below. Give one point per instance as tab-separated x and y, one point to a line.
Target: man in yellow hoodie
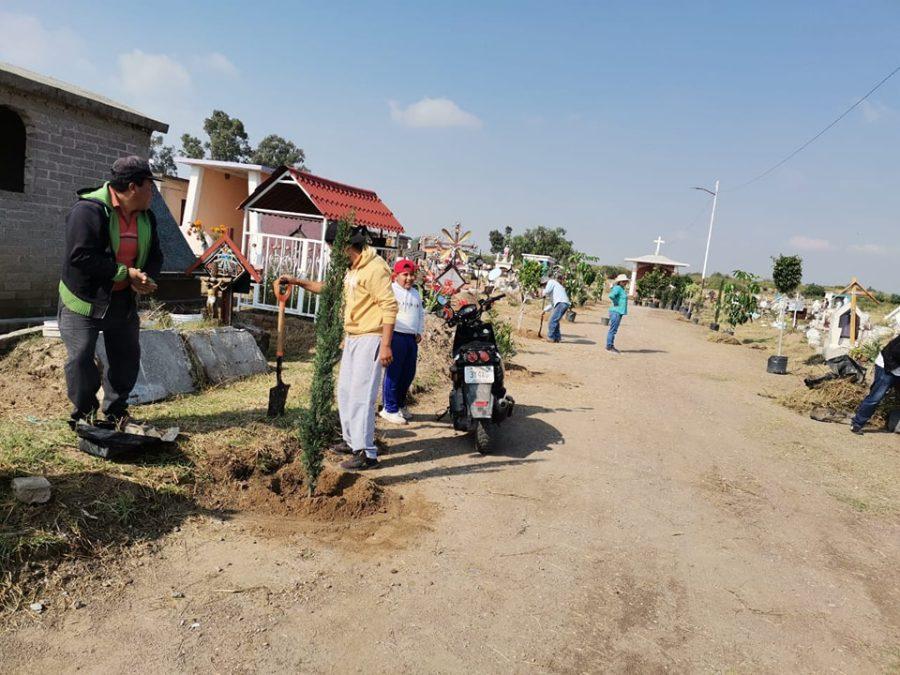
370	310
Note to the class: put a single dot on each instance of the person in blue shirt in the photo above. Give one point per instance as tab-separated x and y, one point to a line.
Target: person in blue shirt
618	307
559	303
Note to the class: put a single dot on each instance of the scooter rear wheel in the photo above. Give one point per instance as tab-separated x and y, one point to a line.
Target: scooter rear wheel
483	440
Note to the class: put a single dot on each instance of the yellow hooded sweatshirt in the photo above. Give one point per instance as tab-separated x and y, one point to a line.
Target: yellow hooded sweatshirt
369	301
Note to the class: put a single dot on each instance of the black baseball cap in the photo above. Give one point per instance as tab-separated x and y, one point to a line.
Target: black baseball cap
131	169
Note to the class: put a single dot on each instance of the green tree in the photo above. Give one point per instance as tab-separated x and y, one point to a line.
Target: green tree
895	298
739	298
542	241
787	273
317	423
529	275
497	241
274	151
652	284
191	147
227	138
813	291
162	157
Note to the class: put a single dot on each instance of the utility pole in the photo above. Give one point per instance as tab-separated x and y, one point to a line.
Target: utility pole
712	220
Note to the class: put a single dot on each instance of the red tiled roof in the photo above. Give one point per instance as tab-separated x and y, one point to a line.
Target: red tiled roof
332	199
335	200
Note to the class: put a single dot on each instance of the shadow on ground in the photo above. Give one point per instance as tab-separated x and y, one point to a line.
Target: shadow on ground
89	512
514	441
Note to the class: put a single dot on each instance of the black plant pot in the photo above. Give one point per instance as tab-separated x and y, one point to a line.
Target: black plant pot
656	304
714	326
777	365
696	319
604	320
570	315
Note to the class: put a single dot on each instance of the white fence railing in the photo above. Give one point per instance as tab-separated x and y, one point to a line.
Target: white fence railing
276	254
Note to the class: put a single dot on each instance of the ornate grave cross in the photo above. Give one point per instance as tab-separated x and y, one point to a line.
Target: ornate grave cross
227	272
854	289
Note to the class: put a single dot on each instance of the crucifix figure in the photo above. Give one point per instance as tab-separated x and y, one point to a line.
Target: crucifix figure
659	242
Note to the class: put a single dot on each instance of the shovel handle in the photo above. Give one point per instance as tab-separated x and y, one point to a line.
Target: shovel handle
282	296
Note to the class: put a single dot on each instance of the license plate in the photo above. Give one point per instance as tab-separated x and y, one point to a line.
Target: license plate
479	374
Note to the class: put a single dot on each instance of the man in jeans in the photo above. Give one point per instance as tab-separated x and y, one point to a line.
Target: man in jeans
112	253
559	303
887	376
618	307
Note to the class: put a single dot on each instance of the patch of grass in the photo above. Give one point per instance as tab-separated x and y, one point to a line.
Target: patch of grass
853	502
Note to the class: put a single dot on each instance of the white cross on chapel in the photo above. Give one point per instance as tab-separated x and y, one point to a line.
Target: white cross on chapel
659	242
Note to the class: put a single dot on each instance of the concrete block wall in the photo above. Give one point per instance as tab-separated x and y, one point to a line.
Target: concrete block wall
66	149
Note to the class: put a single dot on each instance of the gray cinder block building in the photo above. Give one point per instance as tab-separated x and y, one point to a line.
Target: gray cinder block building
54	139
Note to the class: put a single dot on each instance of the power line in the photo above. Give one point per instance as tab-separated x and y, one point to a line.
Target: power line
818	135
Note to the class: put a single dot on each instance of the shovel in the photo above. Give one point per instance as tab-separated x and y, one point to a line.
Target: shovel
278	394
541	327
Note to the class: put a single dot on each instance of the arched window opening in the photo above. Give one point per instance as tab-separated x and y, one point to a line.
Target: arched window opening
12	151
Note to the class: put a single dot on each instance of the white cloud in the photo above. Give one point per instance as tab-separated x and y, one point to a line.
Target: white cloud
433	113
809	243
152	78
869	249
217	63
26	42
873	111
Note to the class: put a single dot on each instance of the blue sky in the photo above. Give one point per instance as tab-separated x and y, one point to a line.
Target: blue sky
597	117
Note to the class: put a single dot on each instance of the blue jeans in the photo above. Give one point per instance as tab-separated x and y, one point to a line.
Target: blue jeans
881	387
559	310
400	374
614	320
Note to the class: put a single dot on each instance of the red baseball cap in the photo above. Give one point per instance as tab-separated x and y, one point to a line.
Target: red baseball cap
404	265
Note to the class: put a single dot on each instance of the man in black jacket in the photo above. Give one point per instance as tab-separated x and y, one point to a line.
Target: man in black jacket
887	376
112	253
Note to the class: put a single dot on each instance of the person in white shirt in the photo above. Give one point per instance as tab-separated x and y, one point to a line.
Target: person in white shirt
887	376
408	329
559	304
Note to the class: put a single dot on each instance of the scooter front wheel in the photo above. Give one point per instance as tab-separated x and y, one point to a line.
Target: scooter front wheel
483	440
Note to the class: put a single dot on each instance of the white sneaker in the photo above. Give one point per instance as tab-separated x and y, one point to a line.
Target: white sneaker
407	415
393	418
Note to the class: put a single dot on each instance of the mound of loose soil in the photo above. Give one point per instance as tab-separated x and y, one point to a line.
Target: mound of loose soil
529	333
274	482
32	379
723	338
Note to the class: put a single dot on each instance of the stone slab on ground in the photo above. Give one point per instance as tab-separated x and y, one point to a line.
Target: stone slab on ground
32	489
165	367
226	354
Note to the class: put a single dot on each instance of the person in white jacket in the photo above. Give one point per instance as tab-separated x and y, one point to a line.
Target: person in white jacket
410	325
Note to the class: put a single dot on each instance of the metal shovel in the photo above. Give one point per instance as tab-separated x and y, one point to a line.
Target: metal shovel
278	394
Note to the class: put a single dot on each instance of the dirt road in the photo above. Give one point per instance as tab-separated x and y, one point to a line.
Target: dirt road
646	512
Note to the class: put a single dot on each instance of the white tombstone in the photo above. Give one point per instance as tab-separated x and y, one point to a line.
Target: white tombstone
893	319
836	345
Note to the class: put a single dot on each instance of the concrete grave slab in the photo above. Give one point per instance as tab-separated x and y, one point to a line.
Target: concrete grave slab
226	354
165	367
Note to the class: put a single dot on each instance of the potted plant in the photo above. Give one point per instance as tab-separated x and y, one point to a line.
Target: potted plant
787	272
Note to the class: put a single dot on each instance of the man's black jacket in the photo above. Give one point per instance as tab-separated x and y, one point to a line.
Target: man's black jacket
891	355
89	262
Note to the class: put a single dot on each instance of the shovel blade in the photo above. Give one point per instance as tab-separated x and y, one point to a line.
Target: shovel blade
277	398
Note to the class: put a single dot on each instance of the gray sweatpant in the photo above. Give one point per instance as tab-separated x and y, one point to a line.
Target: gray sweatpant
358	385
